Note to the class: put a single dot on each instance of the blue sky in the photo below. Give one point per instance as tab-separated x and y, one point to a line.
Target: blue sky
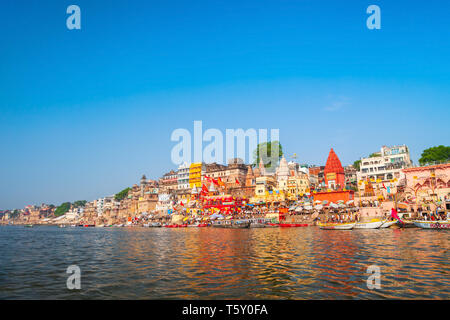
84	113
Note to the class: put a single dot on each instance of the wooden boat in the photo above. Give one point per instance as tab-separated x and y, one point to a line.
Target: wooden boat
388	223
198	225
426	224
373	224
232	224
291	225
337	226
407	224
28	226
154	225
89	225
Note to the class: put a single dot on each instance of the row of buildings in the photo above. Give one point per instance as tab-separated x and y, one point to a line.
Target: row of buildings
381	176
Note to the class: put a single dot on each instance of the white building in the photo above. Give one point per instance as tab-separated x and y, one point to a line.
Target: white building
385	165
183	176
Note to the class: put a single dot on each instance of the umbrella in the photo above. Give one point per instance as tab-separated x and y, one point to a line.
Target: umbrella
324	201
308	207
318	207
298	209
333	205
317	201
349	201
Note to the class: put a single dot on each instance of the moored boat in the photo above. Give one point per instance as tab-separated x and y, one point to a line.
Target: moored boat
388	223
232	224
337	226
292	225
28	226
373	224
426	224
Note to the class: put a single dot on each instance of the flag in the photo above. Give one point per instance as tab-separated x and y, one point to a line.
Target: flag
215	182
204	188
221	182
384	186
181	203
237	181
395	215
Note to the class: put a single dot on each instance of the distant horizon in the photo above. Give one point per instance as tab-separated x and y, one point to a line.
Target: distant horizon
84	113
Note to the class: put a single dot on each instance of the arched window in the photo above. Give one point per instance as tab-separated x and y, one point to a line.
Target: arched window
389	176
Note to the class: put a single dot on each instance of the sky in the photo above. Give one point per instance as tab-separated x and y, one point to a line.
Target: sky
84	113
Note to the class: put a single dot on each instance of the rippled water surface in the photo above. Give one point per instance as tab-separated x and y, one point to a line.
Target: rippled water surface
209	263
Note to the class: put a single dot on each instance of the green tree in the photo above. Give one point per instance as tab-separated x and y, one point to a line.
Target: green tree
122	194
62	209
264	151
79	203
433	154
375	154
357	165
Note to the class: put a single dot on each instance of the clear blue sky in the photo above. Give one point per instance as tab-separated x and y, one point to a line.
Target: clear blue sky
84	113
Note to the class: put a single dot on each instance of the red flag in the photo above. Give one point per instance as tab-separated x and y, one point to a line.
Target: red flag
220	182
395	215
215	182
204	188
181	203
237	181
384	186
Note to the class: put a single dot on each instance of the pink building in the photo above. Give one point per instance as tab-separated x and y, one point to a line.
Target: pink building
428	183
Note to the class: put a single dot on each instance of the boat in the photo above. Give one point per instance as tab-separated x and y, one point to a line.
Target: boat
100	226
426	224
28	226
388	223
292	225
88	225
372	224
337	226
154	224
232	224
62	226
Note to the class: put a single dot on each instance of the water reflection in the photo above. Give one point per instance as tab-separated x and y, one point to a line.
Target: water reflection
205	263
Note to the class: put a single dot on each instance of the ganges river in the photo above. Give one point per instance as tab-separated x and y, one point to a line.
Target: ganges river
210	263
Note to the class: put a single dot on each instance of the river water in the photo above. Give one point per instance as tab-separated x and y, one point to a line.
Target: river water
210	263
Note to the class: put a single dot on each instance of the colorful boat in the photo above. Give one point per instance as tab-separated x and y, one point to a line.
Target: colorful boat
292	225
372	224
28	226
425	224
337	226
388	223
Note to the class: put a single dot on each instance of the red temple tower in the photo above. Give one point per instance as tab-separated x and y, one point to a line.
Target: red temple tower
334	172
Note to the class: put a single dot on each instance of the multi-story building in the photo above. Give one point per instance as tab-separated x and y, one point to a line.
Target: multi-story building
196	172
169	181
384	166
351	179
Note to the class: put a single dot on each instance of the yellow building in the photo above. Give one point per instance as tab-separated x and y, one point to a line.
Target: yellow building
297	186
196	173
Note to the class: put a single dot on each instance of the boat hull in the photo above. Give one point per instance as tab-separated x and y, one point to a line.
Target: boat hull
244	225
444	225
292	225
337	226
369	225
387	224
